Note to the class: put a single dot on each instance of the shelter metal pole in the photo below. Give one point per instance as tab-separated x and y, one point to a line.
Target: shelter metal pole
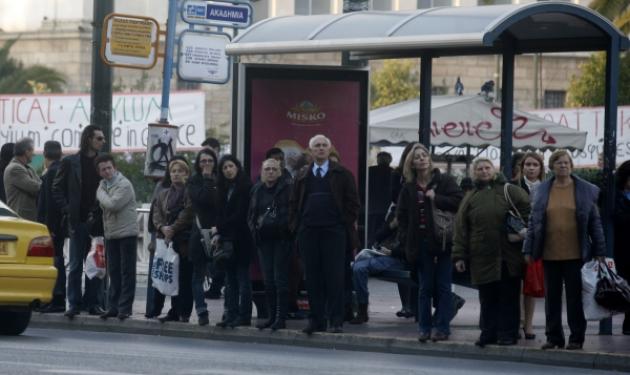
168	59
424	130
610	150
507	110
101	95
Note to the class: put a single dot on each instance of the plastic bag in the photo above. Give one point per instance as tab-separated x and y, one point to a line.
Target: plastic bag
165	270
534	282
590	277
95	265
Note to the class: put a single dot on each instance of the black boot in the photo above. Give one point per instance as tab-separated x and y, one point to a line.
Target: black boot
281	311
362	314
271	310
348	313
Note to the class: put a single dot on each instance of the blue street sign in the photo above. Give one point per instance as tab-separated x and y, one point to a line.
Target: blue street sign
217	13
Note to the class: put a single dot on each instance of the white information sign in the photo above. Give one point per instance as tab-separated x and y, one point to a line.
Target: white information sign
202	57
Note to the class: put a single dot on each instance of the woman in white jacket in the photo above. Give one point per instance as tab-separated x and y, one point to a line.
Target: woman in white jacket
118	201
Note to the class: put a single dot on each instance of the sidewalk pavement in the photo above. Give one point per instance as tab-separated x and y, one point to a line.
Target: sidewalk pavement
383	333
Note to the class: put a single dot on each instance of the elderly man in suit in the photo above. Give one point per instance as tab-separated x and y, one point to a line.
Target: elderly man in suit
323	210
21	183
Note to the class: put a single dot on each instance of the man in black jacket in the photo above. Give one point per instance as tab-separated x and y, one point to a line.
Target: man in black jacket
48	213
323	210
74	191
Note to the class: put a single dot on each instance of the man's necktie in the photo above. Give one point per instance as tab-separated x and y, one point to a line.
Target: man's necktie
319	172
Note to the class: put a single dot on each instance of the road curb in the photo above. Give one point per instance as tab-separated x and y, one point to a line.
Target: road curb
353	342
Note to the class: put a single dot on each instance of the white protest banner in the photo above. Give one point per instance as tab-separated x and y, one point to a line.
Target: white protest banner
591	120
62	117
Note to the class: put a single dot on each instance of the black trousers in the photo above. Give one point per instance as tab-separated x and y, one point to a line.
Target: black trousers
323	253
182	303
568	272
500	310
121	267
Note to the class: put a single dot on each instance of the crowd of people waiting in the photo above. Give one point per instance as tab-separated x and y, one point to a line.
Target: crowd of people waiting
314	212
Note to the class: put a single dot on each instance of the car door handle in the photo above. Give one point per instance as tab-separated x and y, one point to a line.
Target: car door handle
8	237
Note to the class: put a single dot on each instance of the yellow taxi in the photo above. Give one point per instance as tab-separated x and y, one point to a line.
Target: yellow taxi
27	274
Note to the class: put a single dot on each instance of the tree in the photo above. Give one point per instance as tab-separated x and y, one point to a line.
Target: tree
588	89
395	82
17	79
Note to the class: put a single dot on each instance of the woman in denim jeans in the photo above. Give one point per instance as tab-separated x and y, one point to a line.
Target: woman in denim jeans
233	200
426	188
268	221
202	200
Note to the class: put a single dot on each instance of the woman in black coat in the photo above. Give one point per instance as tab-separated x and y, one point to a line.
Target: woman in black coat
202	200
622	223
268	222
233	193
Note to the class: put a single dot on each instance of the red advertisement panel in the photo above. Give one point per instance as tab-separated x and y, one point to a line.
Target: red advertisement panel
286	113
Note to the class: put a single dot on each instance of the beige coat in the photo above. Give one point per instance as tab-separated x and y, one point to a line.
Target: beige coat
118	201
21	185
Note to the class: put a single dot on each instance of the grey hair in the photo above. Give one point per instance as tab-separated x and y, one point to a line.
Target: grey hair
22	146
263	179
311	141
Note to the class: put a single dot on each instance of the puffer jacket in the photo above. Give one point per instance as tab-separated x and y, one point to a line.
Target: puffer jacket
480	236
118	201
589	224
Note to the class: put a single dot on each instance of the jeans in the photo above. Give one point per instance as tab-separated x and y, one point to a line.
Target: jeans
79	248
569	273
199	269
434	281
238	293
274	259
121	267
59	290
362	269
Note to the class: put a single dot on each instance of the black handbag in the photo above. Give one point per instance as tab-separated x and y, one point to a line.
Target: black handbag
223	253
612	291
514	222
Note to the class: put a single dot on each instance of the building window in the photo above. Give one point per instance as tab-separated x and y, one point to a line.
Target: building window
554	98
303	7
381	5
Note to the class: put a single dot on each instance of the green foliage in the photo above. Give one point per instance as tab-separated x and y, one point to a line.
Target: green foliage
589	88
397	81
131	165
592	175
17	79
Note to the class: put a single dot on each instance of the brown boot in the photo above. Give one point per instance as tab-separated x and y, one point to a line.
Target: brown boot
362	314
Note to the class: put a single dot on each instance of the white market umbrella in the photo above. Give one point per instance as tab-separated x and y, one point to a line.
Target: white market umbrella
468	121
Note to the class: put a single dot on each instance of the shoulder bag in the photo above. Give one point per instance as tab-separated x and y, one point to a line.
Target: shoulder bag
513	220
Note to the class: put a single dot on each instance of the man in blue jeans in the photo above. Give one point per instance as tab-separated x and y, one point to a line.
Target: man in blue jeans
74	191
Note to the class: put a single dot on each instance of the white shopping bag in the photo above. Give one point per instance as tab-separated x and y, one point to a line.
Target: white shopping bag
590	276
95	265
165	270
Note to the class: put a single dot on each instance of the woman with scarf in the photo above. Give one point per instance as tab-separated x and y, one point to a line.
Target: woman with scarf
172	221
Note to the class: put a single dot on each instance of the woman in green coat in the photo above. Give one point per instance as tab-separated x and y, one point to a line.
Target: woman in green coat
481	243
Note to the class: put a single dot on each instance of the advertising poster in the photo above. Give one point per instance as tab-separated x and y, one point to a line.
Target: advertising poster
286	111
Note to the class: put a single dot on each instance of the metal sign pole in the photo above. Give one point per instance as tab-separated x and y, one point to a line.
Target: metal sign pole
168	59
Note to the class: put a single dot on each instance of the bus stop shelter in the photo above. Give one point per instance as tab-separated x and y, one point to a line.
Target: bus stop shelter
505	30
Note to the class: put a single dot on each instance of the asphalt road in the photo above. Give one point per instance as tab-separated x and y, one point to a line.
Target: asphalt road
41	351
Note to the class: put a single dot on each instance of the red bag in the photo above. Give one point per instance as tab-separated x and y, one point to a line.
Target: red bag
534	283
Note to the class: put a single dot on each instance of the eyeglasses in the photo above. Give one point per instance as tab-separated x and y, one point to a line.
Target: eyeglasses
100	138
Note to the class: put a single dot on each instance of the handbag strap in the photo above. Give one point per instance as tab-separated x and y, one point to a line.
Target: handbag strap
506	192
